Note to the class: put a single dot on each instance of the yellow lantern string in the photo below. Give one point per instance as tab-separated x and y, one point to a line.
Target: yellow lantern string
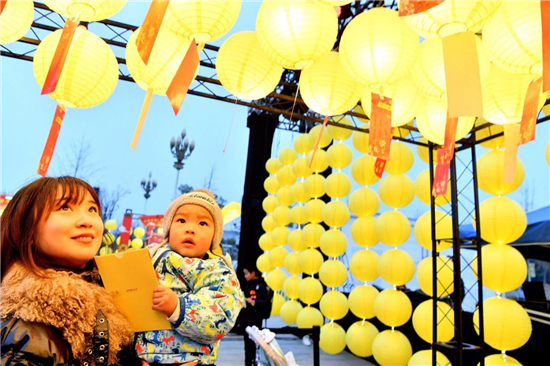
142	116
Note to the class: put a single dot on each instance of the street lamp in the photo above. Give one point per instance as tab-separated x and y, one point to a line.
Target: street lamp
148	185
181	149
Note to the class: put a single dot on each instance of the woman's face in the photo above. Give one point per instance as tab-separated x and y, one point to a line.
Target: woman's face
71	235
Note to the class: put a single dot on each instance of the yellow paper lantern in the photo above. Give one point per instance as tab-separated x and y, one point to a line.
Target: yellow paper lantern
359	338
89	10
340	133
310	261
333	243
298	215
500	360
424	152
105	251
90	73
395	267
361	301
295	240
268	224
314	133
363	265
302	144
285	196
271	184
315	185
363	233
423	358
287	155
263	263
364	202
281	215
299	192
285	176
391	347
272	165
378	47
327	89
301	168
309	317
139	232
423	319
445	276
292	264
392	307
503	221
318	162
203	21
504	268
336	214
230	212
334	305
423	189
311	235
443	231
333	273
490	130
279	235
277	304
110	225
295	34
360	140
396	190
244	70
507	325
362	171
108	239
290	310
339	156
333	338
275	279
15	20
314	209
270	203
310	290
290	286
337	185
266	242
137	243
277	256
392	228
401	159
490	174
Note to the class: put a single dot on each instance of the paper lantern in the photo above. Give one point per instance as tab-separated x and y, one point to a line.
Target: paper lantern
503	221
507	324
443	231
359	338
263	263
378	47
311	235
15	20
279	235
266	242
337	185
137	243
287	156
292	264
139	232
334	305
396	190
302	144
490	174
275	279
268	224
391	347
392	307
490	130
333	273
333	243
340	133
299	192
361	301
295	241
423	319
290	286
432	118
318	162
298	215
364	202
395	267
277	256
339	156
309	317
327	89
360	140
285	196
89	10
314	133
230	212
363	232
108	239
392	228
428	72
445	276
301	168
272	165
110	225
203	21
333	338
335	214
290	310
281	215
423	189
504	268
405	100
90	73
270	203
500	360
423	358
295	34
277	304
106	251
244	70
362	171
424	152
513	37
310	290
315	185
310	261
285	176
271	184
363	265
401	159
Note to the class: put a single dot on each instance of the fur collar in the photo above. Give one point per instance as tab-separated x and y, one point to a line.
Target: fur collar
66	301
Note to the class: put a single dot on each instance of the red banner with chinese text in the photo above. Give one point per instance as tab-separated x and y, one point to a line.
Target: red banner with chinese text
150	28
545	25
152	220
125	231
441	177
49	148
380	127
379	166
184	77
530	111
450	137
411	7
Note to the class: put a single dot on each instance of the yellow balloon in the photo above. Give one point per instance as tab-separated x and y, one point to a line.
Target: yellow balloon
287	156
401	159
339	156
337	185
445	276
361	301
263	263
333	338
423	321
108	239
110	225
362	171
395	267
299	192
503	221
333	273
285	176
266	242
504	268
396	190
336	214
490	174
277	256
363	233
281	215
137	243
301	168
292	264
334	305
280	235
309	317
310	261
364	202
443	231
277	304
302	144
363	265
333	243
311	235
295	241
507	324
391	347
340	133
290	310
314	133
500	360
359	338
272	165
270	203
423	189
290	287
315	185
393	308
392	228
285	196
423	358
271	184
268	224
275	279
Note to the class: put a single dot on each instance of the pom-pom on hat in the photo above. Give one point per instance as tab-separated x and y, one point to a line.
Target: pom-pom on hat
200	197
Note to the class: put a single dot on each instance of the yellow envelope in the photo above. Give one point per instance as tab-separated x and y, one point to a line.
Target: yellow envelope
131	278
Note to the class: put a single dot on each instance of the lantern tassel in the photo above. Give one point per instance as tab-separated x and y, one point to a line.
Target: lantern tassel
142	116
318	140
49	148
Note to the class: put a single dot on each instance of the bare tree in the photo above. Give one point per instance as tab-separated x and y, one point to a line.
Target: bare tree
76	160
109	200
208	183
528	194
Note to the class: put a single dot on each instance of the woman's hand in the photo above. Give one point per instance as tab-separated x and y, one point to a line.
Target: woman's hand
164	300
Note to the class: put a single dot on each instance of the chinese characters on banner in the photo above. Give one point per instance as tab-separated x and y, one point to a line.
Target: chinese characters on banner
379	166
411	7
150	28
125	231
380	127
530	110
444	157
184	77
49	148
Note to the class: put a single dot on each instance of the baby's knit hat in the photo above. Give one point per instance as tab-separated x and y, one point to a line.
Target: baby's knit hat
200	197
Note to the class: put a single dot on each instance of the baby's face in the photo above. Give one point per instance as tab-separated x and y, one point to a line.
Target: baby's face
191	231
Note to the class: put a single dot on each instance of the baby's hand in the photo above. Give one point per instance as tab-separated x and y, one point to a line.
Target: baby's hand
164	300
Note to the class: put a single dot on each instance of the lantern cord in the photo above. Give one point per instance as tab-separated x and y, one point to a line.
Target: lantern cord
231	125
293	104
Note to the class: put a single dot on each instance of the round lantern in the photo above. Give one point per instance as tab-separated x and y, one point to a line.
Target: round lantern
391	347
309	317
110	225
271	184
361	301
340	133
318	162
333	243
266	242
15	20
401	159
314	133
314	210
490	130
444	273
339	156
423	321
507	324
292	263
275	279
359	109
364	202
336	214
295	34
310	290
277	304
490	176
423	358
90	73
500	360
363	265
334	305
272	165
295	241
311	235
277	256
378	47
301	168
432	118
302	144
268	224
285	196
285	176
263	263
270	203
333	338
504	268
315	185
362	171
298	215
396	190
337	185
395	267
137	243
299	192
203	21
279	235
310	261
424	152
281	215
244	70
393	308
423	189
108	239
290	287
287	156
443	231
89	10
363	232
503	221
360	140
333	273
392	228
290	310
359	338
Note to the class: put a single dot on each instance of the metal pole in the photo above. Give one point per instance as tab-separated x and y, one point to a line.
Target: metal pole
434	256
176	187
456	295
